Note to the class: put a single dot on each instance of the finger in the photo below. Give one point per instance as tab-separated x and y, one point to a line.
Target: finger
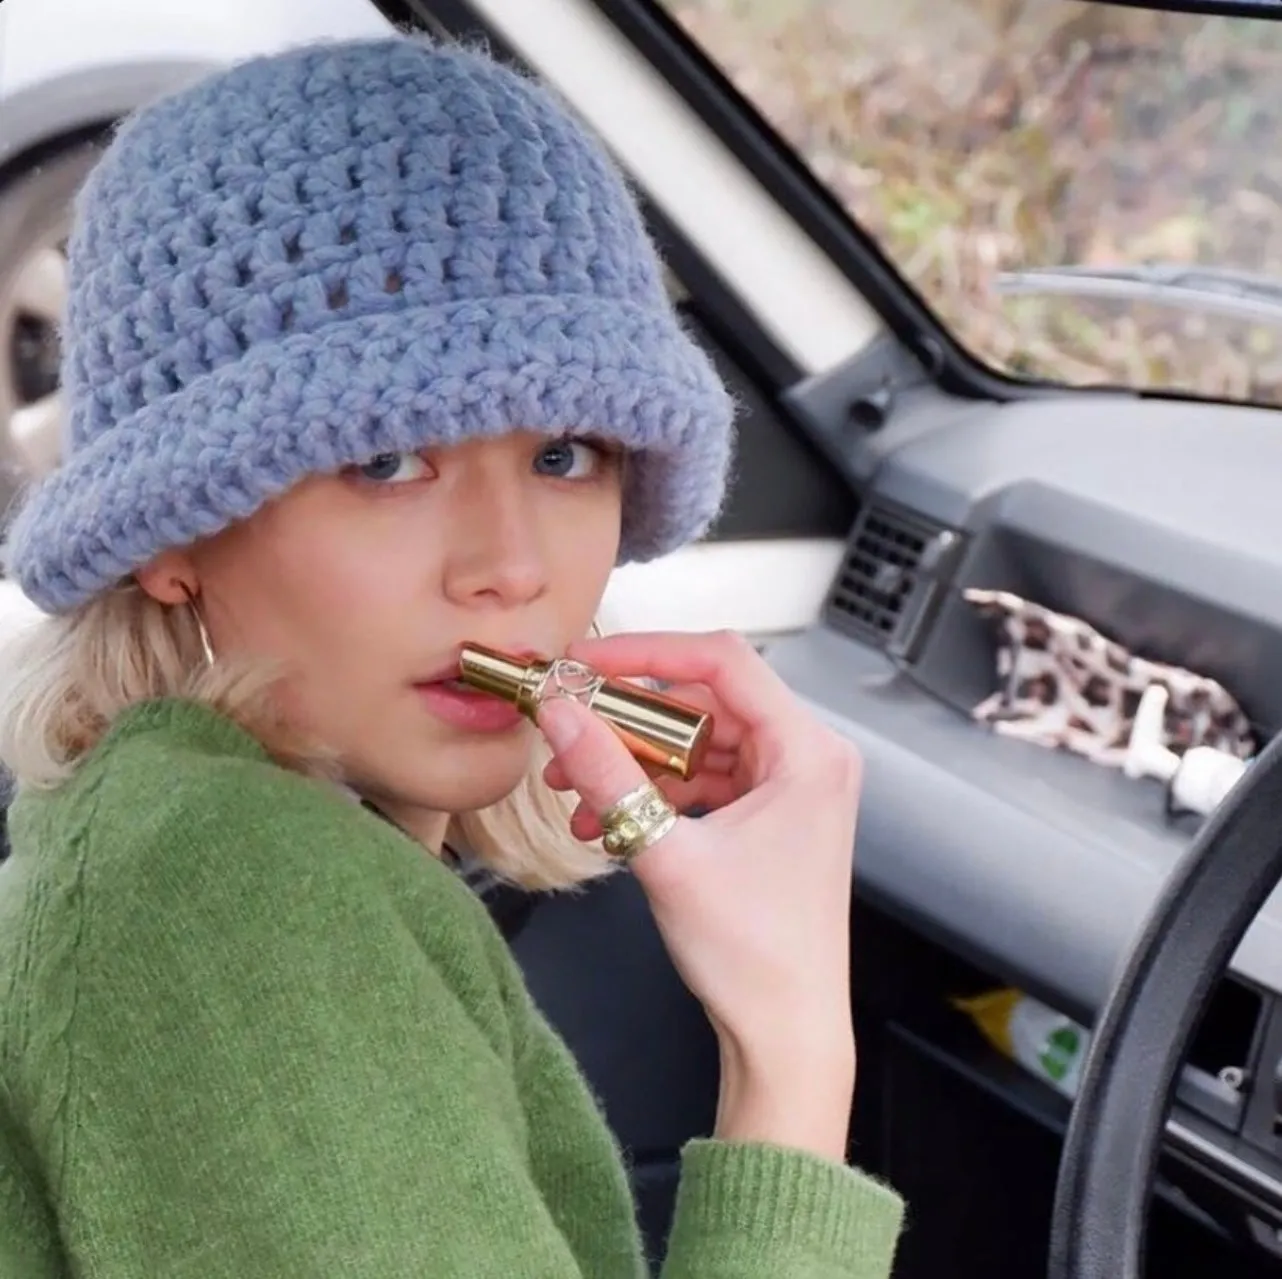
731	668
719	761
714	762
727	730
708	790
708	793
584	824
595	762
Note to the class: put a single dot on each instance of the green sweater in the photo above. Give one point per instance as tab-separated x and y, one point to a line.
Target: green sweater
250	1031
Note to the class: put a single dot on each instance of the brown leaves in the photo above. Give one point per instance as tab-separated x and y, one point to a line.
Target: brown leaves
979	136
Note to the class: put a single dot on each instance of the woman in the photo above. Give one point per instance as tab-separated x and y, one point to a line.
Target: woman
367	355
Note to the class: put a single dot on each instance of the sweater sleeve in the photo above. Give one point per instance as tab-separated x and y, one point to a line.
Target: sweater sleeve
253	1068
746	1210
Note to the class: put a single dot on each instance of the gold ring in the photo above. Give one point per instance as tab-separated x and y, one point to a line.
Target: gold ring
637	822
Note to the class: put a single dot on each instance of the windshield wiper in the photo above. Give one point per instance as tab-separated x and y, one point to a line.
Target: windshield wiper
1243	295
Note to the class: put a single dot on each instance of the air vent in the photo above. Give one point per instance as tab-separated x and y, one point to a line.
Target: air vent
889	578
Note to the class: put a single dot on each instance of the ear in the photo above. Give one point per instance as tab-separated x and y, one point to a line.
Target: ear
169	578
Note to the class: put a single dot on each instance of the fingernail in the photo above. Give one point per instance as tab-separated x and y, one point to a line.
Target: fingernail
560	722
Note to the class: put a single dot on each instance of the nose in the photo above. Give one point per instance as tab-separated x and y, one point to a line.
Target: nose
495	554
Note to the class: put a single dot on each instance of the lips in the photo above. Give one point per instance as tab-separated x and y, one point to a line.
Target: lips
447	676
441	675
454	684
468	709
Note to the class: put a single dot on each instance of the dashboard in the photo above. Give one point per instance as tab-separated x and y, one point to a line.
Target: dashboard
1158	522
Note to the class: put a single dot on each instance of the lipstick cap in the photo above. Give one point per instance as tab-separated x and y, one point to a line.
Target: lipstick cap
504	676
656	729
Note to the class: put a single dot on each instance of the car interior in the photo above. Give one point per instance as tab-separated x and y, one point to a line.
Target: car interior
1030	543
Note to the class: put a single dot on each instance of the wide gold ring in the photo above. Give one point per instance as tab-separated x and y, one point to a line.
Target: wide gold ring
637	822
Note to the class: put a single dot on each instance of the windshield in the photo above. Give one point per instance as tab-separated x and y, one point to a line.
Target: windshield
1018	160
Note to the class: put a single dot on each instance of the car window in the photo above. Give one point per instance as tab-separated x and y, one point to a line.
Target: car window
1083	192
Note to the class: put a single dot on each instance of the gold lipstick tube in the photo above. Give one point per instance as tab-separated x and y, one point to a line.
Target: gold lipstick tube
656	729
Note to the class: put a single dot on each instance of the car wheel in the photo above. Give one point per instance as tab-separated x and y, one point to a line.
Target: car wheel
35	211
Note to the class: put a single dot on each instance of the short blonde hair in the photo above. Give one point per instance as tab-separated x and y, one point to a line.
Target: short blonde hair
66	678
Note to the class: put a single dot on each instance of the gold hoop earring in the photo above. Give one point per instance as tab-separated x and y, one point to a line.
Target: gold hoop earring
206	644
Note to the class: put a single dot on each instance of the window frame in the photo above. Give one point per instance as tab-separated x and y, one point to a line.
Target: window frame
759	148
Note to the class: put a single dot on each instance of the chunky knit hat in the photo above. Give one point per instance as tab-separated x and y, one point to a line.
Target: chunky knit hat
345	250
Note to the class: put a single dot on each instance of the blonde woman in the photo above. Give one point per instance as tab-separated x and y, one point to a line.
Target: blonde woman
367	355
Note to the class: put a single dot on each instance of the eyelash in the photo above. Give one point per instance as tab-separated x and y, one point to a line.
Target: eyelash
388	481
602	453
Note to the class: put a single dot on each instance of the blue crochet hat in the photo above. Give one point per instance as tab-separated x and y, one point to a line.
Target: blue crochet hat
346	250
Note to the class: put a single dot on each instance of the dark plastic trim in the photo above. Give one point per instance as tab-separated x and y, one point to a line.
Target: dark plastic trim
757	146
1267	10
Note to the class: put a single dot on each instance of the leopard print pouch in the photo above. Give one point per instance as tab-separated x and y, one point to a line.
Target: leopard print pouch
1064	685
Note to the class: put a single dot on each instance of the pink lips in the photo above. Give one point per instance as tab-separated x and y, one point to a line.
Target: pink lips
467	709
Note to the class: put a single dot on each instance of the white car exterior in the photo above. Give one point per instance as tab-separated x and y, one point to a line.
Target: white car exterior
87	53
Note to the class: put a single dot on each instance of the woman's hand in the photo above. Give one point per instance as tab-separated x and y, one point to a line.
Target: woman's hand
753	899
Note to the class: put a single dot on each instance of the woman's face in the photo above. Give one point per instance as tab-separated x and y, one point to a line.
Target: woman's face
367	583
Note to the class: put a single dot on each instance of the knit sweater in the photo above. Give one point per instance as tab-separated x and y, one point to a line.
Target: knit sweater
249	1031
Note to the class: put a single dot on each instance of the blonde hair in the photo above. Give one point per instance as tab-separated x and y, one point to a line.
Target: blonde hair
66	679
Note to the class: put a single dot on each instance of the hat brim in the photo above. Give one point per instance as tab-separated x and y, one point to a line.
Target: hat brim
188	465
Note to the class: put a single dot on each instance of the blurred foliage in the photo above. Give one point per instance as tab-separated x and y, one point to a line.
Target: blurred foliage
971	137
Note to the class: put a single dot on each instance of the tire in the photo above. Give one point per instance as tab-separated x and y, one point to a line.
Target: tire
35	212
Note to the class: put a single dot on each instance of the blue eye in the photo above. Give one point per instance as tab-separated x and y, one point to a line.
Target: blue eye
568	459
393	468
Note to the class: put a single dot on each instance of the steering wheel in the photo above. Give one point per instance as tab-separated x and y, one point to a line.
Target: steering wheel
1142	1036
